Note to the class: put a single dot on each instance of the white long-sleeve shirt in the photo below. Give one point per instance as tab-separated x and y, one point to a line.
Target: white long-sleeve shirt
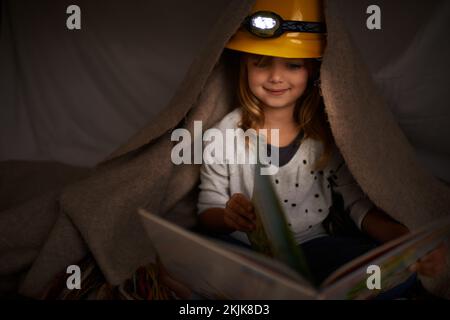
305	194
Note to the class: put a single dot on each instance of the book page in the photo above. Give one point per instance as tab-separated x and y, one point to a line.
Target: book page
214	271
273	236
394	259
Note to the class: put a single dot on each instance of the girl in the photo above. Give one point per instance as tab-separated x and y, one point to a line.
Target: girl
278	89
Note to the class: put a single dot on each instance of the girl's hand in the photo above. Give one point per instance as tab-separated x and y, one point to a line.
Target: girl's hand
433	264
239	213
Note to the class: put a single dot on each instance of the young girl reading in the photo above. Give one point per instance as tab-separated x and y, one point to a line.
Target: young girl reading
279	89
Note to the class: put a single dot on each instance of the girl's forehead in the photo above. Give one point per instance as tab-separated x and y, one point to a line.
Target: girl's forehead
258	57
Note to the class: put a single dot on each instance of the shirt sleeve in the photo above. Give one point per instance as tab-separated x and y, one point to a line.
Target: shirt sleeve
214	186
356	201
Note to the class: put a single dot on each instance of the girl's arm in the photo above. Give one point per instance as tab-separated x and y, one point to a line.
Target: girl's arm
382	227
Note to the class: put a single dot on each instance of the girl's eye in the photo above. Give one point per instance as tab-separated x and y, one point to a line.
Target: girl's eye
294	66
260	65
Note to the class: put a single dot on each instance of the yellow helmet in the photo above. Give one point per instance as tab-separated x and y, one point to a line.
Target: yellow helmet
283	28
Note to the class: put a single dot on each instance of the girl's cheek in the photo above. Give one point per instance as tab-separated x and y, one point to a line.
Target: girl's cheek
256	79
302	79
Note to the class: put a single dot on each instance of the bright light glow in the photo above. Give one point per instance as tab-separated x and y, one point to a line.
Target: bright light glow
264	23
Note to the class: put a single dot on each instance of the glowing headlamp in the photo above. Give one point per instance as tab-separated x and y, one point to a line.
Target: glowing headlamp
267	24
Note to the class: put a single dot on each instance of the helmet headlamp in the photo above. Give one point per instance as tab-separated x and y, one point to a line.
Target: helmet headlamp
267	24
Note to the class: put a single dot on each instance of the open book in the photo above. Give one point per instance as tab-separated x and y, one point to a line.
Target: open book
214	269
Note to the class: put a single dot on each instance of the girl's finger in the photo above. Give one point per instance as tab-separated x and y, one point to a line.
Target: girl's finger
244	202
428	269
237	208
436	256
230	222
413	267
242	223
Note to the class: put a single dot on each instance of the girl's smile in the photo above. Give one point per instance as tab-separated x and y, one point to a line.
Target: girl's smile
276	92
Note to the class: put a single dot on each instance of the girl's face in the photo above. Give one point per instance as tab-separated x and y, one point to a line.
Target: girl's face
276	82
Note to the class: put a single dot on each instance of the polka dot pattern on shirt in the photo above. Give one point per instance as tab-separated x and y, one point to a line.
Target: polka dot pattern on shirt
312	208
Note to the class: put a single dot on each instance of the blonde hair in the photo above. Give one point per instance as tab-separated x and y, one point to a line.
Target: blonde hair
309	112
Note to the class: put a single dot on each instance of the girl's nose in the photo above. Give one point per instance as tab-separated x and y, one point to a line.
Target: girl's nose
275	75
